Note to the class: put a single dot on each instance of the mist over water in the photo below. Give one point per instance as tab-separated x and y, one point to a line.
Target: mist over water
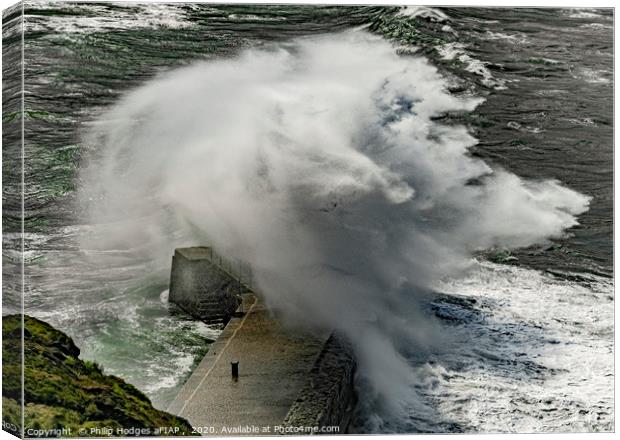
320	163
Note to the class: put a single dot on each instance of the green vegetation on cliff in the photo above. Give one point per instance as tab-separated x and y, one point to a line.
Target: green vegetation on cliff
64	392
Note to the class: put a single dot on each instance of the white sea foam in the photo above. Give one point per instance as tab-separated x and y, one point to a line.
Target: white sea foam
481	20
447	28
599	26
592	76
319	163
539	329
512	357
582	121
97	18
584	14
458	51
513	38
253	17
527	128
163	297
432	14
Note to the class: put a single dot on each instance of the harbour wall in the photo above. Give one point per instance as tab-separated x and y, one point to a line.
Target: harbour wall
202	288
289	381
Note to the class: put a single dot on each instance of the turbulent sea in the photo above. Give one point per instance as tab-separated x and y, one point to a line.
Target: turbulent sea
530	345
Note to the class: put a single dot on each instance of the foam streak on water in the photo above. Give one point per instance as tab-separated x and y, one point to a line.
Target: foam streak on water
96	18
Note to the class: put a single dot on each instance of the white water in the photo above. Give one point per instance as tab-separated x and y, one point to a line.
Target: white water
318	163
522	351
98	18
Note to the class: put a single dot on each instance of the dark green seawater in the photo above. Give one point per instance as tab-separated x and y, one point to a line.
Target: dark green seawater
546	76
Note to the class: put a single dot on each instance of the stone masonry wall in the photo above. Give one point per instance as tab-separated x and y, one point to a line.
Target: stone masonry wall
328	397
201	288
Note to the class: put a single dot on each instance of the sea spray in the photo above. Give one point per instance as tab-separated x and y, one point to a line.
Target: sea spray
319	162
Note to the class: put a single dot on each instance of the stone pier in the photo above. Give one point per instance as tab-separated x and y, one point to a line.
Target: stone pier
288	380
202	288
285	381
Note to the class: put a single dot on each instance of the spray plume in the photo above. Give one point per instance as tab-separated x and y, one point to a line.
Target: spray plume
319	163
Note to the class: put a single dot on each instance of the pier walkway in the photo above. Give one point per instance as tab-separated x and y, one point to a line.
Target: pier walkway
274	365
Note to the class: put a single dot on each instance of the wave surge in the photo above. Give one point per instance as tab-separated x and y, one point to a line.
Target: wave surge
319	162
